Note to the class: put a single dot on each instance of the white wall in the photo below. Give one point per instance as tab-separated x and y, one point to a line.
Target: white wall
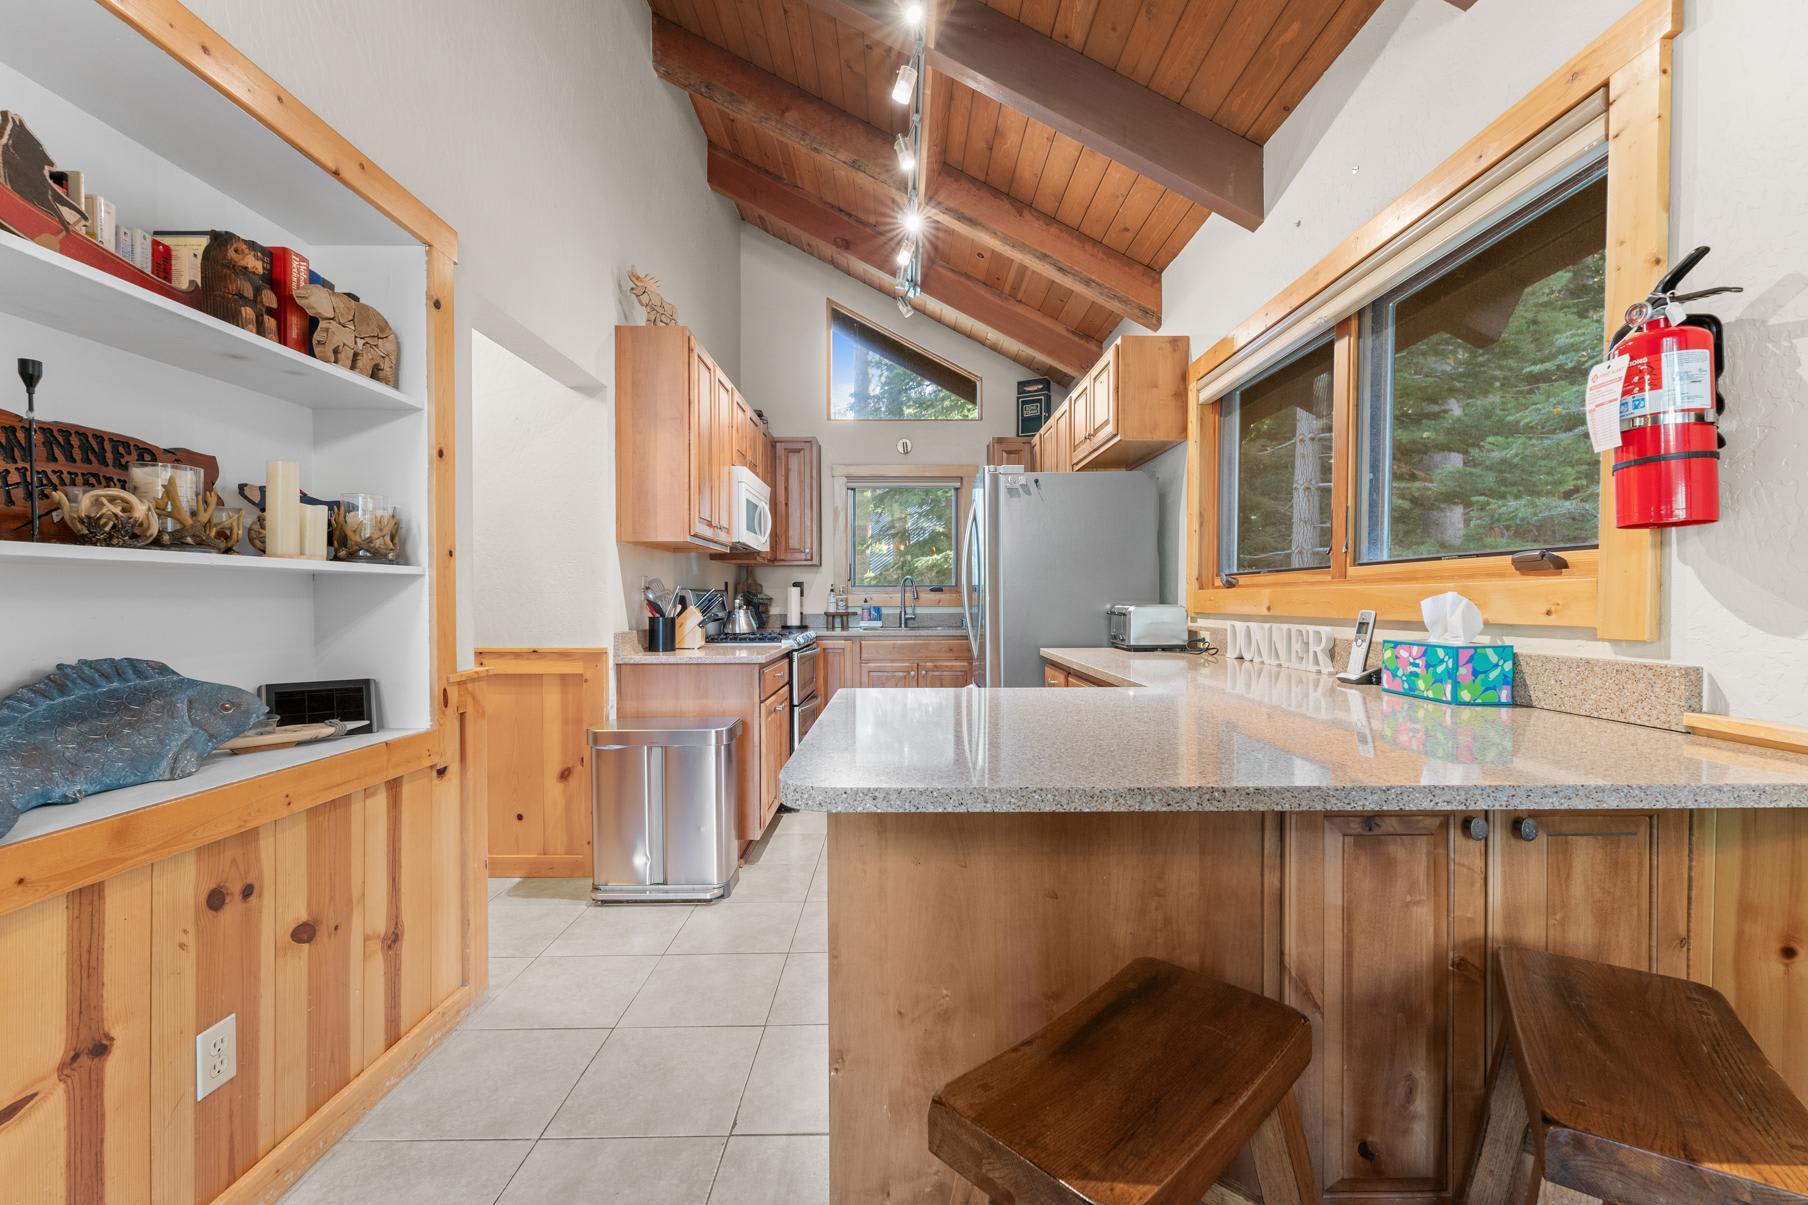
541	134
784	362
1734	597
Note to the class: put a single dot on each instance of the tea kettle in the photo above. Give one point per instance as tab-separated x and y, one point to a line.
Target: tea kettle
742	622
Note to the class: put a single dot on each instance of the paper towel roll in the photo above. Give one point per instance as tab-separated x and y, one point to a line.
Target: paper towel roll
794	605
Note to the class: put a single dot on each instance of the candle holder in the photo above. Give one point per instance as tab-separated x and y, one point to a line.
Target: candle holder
365	527
187	514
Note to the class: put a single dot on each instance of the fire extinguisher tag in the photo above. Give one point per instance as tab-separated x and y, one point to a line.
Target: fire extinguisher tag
1602	402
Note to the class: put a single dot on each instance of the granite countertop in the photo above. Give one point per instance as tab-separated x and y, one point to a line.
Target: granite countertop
1191	734
630	649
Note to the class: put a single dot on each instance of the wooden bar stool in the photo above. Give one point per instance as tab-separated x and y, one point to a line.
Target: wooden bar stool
1142	1092
1636	1088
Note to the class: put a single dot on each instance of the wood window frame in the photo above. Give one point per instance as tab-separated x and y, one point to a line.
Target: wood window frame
844	475
1614	588
828	388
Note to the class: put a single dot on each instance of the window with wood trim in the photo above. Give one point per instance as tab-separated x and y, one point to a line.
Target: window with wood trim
1472	435
1276	468
902	528
876	376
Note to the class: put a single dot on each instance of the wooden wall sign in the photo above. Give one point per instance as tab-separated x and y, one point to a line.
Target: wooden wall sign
71	455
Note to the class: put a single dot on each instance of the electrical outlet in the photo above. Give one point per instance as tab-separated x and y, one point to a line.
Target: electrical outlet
216	1055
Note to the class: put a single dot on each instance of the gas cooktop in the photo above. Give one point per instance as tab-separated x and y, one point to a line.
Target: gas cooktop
792	640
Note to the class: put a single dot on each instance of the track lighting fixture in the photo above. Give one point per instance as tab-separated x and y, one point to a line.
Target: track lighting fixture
913	13
904	306
905	252
906	87
913	222
907	154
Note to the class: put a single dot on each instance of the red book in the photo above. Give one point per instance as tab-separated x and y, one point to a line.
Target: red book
160	260
288	272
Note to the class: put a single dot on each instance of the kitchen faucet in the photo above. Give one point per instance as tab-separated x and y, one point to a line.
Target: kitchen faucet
907	595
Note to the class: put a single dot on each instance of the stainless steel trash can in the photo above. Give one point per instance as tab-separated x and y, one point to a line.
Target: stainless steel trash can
663	795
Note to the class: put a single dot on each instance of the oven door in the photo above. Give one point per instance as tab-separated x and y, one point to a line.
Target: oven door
803	718
803	673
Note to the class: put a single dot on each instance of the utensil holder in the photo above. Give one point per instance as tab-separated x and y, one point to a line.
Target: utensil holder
662	634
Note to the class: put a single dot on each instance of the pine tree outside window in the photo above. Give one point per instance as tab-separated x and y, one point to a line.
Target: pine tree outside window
899	529
1472	434
876	376
1276	442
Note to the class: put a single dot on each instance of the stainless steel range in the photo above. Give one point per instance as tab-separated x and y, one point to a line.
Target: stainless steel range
806	697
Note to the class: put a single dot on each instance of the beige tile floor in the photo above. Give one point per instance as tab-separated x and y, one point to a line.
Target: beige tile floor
659	1055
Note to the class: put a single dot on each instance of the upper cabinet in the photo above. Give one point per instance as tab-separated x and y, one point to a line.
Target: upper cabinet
1016	450
796	502
675	439
1134	403
1128	407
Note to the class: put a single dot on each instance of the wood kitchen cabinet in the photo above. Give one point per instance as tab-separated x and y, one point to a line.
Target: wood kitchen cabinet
675	432
797	502
760	696
1016	450
832	669
910	662
775	748
1388	946
1128	407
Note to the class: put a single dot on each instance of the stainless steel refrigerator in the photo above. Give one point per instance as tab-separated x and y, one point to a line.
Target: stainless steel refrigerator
1044	554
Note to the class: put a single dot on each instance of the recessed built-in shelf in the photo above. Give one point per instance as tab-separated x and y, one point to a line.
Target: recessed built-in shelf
43	286
19	551
222	769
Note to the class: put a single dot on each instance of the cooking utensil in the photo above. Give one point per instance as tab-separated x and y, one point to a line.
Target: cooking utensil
742	622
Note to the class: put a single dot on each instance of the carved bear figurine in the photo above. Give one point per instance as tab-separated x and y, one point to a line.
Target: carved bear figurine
235	284
350	333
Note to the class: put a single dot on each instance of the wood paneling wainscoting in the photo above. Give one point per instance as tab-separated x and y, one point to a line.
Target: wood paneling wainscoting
540	705
952	937
346	936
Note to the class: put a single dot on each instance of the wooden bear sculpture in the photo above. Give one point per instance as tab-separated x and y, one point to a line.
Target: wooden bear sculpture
350	333
235	284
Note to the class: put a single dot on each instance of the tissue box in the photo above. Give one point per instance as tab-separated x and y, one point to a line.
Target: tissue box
1468	675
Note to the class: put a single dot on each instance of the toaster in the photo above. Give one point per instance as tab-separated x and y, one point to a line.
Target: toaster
1146	626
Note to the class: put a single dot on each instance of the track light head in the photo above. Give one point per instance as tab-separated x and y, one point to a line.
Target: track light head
913	12
906	85
904	306
913	222
905	253
907	154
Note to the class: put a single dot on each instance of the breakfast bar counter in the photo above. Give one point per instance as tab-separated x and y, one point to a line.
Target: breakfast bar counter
1190	734
995	855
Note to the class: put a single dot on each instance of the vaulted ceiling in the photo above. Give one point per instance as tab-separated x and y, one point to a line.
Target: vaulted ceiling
1072	147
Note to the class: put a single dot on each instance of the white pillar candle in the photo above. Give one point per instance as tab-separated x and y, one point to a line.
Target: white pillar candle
282	507
313	532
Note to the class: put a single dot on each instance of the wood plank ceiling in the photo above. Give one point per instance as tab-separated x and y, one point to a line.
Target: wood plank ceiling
1039	244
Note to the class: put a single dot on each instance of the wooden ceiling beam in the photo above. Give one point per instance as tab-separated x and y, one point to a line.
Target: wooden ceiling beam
788	205
1000	57
958	202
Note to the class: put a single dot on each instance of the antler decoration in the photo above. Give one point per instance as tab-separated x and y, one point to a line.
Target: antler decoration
211	525
107	517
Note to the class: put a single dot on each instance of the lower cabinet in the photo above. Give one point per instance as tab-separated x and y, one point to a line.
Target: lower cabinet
775	748
927	662
888	673
758	695
1054	675
832	670
1390	923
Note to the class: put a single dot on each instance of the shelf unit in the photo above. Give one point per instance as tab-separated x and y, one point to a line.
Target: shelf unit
108	93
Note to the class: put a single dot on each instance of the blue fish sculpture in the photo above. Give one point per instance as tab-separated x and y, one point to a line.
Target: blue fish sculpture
98	725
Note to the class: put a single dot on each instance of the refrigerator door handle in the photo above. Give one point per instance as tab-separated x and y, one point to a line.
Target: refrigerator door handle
966	571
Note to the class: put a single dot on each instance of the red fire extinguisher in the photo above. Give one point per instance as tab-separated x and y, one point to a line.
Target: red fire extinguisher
1666	471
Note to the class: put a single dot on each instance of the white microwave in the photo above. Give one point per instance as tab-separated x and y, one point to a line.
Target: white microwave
751	524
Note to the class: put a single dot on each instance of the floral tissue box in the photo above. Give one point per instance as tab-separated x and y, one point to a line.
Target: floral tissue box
1469	675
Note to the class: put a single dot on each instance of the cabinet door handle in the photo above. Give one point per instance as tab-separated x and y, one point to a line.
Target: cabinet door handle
1525	828
1476	828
